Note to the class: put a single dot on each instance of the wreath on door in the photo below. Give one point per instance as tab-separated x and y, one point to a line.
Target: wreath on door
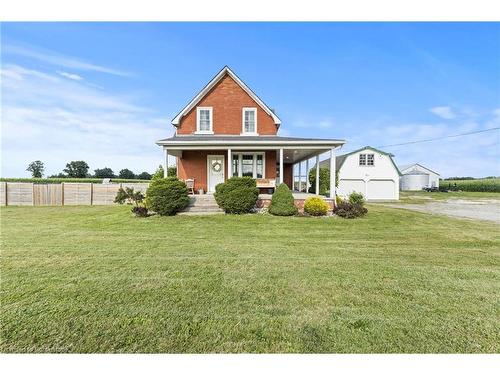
217	166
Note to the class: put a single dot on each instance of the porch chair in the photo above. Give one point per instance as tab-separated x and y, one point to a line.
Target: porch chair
190	185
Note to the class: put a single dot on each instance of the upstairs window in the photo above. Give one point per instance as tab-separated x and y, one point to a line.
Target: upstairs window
367	159
370	159
362	159
249	120
204	120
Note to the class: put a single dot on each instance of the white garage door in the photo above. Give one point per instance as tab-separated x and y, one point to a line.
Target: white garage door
346	187
381	189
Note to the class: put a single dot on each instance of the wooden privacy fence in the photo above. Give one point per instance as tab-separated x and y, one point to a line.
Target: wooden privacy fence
64	194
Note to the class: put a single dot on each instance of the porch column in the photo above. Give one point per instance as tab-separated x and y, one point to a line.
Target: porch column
332	173
317	175
165	164
307	176
281	166
229	164
300	176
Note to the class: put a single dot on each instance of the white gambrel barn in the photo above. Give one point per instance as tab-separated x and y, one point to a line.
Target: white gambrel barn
368	171
417	177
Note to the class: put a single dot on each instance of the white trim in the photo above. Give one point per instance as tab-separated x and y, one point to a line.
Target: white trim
240	140
281	168
208	169
332	173
316	188
198	131
248	109
165	163
211	84
254	172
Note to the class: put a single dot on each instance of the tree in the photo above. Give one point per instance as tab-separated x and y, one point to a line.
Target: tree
159	173
36	168
104	173
144	176
77	169
126	173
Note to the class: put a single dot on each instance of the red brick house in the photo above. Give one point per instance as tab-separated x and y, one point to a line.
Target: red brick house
227	130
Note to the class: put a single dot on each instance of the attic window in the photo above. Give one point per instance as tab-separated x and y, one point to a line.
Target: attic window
367	159
204	120
249	121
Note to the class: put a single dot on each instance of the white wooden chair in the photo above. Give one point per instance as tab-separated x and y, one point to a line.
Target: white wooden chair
190	185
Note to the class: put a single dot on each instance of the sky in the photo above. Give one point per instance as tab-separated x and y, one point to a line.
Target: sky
105	92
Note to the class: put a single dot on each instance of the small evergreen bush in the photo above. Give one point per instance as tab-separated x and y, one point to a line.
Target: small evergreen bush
167	196
316	206
237	195
282	202
356	198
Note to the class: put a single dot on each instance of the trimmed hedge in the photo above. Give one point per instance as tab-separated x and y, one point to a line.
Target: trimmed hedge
167	196
316	206
59	180
237	195
282	202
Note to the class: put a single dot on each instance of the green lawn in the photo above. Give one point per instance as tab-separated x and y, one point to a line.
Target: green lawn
424	196
95	279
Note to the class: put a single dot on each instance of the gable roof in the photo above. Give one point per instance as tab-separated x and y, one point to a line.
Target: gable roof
339	160
407	166
225	71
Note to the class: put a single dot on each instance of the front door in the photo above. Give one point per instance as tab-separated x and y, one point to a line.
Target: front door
215	167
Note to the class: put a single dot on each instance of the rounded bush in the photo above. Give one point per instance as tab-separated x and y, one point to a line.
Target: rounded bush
282	202
316	206
167	196
356	198
348	210
237	195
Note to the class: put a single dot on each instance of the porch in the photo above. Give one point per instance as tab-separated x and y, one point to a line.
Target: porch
210	159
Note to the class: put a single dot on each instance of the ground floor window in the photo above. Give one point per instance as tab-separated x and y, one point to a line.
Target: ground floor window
248	164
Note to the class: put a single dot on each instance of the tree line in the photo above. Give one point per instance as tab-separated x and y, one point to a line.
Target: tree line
80	169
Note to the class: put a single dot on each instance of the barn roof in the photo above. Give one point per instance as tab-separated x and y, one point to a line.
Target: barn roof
339	160
407	166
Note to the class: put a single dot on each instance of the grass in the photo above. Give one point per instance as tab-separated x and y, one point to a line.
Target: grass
423	196
95	279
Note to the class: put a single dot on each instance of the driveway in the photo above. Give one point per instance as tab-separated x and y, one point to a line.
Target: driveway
478	209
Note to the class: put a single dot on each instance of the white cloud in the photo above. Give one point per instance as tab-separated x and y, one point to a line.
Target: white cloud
72	76
56	120
443	112
59	60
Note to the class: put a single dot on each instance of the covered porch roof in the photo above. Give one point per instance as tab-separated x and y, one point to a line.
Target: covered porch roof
294	149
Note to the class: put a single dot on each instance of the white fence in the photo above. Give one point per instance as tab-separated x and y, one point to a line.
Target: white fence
64	194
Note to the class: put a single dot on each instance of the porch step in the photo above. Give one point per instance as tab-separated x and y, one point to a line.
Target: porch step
202	204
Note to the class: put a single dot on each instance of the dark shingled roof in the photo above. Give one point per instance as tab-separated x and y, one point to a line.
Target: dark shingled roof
223	138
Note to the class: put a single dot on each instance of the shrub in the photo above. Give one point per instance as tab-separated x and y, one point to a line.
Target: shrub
282	202
159	174
315	206
237	195
356	198
348	210
128	195
324	180
167	196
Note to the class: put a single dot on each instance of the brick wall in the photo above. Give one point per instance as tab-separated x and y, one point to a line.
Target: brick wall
227	99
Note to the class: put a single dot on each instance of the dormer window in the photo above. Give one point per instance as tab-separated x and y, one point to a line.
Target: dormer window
249	121
204	124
